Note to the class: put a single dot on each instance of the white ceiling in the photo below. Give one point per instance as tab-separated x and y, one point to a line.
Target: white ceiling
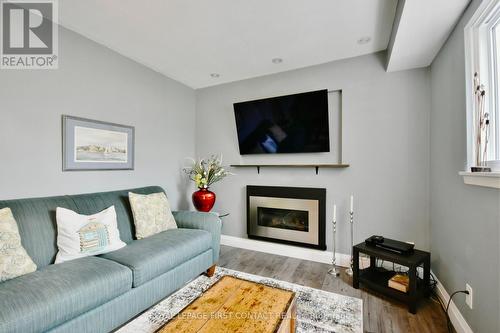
188	40
421	28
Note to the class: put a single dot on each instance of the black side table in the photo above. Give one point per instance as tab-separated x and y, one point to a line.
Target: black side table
377	278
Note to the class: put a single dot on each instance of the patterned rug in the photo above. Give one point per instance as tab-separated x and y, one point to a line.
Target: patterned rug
318	311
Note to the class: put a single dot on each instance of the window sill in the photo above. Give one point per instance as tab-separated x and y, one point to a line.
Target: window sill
485	179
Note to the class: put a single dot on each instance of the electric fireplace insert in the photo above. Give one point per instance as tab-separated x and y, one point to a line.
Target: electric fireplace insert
289	215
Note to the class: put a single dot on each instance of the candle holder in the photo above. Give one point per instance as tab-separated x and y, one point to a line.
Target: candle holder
334	271
349	270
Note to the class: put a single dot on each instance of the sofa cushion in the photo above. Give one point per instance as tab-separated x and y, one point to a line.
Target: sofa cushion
14	261
44	299
81	236
152	214
157	254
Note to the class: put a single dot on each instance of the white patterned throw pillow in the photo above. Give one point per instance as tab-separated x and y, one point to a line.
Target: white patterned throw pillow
14	260
152	214
86	235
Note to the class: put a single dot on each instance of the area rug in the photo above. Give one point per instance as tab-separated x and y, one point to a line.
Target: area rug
318	311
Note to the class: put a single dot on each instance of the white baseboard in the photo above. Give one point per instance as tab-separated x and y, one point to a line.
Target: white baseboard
456	318
324	257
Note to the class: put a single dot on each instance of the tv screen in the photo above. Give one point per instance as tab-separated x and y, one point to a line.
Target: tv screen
286	124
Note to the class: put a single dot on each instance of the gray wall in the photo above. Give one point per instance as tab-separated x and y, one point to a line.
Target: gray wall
387	123
465	219
385	139
93	82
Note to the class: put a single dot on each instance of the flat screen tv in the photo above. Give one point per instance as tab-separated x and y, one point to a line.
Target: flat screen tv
285	124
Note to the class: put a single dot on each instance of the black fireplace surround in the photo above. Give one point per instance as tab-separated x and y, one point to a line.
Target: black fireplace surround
299	225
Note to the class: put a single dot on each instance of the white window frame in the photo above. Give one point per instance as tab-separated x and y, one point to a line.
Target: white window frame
480	51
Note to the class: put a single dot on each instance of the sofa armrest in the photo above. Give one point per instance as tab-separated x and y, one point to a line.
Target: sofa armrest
204	221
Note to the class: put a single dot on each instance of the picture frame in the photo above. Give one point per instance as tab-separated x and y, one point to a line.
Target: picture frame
96	145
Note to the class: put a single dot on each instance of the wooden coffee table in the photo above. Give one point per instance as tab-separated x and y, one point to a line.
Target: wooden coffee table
233	304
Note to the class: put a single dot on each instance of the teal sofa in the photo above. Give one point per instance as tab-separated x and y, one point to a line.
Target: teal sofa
100	293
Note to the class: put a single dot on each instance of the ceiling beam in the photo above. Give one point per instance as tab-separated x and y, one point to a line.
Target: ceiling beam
420	29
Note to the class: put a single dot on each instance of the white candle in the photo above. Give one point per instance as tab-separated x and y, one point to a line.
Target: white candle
334	212
352	203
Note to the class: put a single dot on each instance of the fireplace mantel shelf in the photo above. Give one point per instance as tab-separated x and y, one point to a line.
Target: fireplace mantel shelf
316	166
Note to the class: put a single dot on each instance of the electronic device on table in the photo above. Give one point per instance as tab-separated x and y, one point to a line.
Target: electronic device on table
390	245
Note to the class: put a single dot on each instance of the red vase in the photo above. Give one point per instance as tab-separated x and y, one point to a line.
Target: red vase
203	200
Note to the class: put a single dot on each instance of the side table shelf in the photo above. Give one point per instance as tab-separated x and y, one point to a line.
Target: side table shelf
377	278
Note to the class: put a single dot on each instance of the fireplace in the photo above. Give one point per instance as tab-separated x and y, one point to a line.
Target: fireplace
290	215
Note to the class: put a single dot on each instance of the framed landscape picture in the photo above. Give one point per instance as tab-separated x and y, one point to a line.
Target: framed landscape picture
96	145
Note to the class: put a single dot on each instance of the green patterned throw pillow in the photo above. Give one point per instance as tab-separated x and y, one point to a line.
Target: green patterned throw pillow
152	214
14	260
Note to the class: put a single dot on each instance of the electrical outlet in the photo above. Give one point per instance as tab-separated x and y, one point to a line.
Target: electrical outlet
469	298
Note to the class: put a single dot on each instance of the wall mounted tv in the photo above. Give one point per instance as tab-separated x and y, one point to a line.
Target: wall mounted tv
286	124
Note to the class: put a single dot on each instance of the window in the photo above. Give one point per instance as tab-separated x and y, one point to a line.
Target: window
482	43
496	61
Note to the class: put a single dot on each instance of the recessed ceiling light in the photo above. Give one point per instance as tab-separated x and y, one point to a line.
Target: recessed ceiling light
215	75
277	60
364	40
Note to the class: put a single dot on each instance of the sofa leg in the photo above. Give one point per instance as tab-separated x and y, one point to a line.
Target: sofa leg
211	271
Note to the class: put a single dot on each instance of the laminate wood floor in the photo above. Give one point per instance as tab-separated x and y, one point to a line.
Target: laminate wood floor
380	314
